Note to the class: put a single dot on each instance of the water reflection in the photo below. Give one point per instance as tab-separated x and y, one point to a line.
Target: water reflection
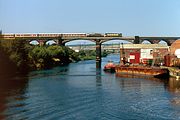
49	72
98	77
174	85
138	76
12	90
174	88
151	78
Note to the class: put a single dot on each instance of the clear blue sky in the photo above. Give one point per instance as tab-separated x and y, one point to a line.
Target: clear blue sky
131	17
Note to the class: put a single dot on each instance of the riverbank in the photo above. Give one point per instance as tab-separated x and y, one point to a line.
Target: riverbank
30	57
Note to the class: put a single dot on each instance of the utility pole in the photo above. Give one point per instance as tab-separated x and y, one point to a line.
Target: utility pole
122	55
1	34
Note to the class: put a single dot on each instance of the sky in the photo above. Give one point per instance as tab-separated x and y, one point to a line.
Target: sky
129	17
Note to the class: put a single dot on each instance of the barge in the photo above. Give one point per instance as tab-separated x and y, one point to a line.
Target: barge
142	70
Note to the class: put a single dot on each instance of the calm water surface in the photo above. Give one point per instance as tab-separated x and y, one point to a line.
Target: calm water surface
80	92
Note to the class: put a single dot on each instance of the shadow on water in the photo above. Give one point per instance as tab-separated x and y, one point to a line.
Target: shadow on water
48	72
173	86
11	89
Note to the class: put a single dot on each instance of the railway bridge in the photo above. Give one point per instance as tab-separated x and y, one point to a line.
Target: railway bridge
61	39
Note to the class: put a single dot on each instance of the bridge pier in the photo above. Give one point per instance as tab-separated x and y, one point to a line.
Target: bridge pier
155	41
137	40
170	42
98	54
41	42
60	42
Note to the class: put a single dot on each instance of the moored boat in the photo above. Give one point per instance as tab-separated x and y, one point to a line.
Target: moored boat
141	70
109	67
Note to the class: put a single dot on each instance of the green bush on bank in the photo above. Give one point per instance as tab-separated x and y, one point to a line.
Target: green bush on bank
25	56
48	56
15	52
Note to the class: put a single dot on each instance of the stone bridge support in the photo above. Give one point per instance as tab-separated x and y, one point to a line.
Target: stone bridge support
60	42
155	41
98	53
137	40
41	42
170	42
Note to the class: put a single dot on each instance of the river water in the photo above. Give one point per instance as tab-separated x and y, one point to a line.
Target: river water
81	92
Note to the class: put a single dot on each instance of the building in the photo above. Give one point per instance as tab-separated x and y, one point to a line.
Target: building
145	53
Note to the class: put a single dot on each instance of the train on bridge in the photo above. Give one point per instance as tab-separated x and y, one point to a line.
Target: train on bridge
31	35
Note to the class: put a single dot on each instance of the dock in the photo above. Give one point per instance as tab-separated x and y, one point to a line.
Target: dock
173	71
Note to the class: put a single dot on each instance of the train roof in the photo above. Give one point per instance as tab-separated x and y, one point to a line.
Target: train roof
44	33
60	33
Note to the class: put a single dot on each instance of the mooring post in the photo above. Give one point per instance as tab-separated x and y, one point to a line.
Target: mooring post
98	54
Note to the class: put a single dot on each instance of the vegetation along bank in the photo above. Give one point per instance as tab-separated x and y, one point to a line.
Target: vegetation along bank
30	57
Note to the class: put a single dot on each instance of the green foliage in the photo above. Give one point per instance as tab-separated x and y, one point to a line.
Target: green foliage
15	49
24	55
15	58
73	56
38	53
56	51
48	56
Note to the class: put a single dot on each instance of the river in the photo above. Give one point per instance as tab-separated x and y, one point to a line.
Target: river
81	92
